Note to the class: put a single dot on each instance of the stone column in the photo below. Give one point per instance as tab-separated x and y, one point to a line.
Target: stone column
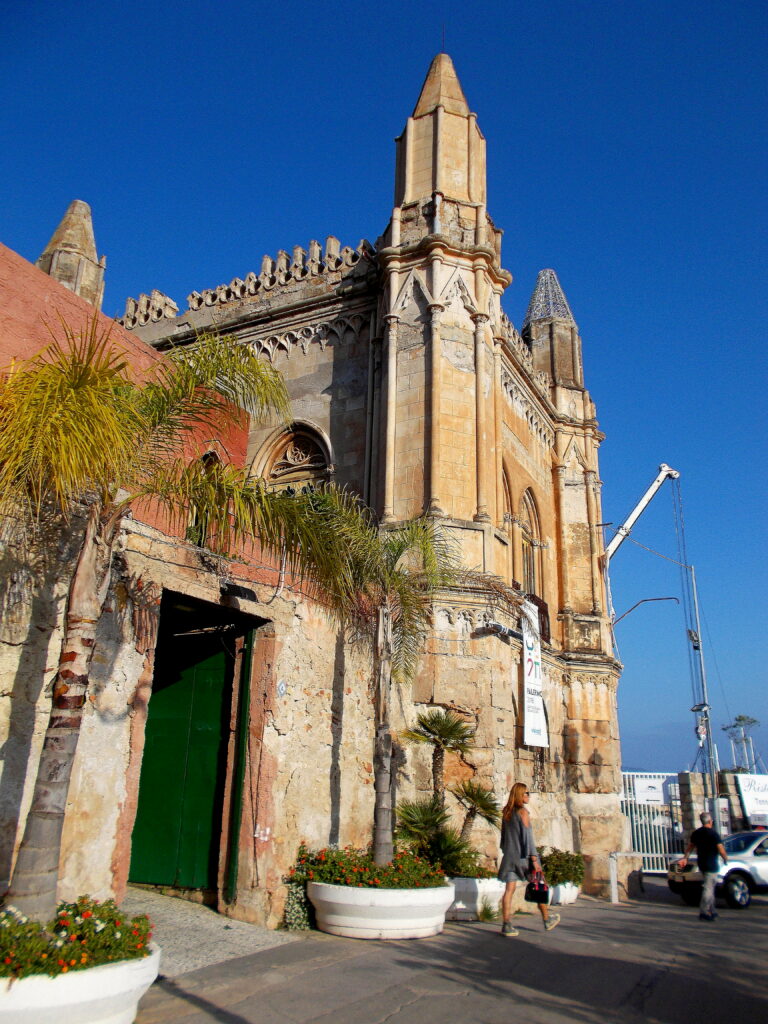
498	406
692	799
517	550
482	456
565	596
594	545
391	322
433	503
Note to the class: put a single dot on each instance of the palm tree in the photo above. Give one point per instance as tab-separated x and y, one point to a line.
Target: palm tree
395	574
479	802
445	730
81	433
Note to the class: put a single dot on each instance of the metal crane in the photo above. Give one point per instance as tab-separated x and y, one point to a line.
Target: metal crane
701	706
623	531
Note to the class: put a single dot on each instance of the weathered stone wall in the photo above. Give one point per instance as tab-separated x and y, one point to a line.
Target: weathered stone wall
309	771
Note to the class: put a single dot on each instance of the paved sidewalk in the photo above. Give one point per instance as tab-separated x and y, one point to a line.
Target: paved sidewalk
650	961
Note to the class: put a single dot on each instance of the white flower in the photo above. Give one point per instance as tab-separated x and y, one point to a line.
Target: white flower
59	943
118	935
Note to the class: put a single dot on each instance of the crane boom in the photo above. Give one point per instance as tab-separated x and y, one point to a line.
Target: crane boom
623	531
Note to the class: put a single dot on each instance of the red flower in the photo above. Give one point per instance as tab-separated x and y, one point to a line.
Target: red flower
87	913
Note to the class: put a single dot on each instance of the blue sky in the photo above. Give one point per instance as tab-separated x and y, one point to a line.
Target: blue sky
627	149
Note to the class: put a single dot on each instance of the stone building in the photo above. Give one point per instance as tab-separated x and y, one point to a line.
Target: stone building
410	386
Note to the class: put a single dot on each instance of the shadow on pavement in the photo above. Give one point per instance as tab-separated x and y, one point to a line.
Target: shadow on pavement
640	961
217	1013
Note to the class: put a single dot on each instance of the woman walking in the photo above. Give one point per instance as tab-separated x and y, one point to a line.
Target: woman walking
520	858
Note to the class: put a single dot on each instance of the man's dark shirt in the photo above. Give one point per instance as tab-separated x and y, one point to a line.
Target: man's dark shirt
706	841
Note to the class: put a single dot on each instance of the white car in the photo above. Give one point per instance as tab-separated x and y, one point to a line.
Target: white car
746	872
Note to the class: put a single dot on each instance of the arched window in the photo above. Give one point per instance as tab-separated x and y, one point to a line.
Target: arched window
531	542
299	461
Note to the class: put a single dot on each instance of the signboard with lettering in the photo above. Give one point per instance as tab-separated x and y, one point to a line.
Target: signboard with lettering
754	797
534	718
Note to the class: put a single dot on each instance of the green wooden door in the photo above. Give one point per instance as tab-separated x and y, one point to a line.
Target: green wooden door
176	837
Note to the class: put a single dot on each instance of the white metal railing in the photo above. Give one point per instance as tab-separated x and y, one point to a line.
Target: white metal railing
651	802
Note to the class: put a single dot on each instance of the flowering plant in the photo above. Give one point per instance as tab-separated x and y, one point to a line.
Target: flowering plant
83	934
563	866
356	867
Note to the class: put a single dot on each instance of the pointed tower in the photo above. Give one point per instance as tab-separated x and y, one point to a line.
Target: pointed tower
551	332
70	256
441	156
441	259
442	149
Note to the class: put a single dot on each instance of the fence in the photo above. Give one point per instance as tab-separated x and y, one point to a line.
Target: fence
651	802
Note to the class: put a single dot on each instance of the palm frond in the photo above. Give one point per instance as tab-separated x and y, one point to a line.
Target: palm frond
418	821
474	796
68	424
210	384
306	529
442	728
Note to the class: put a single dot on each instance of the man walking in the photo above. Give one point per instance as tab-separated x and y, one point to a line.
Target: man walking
708	846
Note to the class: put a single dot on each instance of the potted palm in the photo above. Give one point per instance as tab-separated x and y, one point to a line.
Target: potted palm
564	871
395	574
421	821
83	435
481	888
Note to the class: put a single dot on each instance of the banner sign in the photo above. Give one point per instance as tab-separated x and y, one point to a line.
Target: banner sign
534	719
649	790
754	796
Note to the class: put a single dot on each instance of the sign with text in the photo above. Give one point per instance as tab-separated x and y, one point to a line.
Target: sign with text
534	718
754	796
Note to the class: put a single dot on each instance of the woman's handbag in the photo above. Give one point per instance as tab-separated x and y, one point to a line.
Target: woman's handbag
537	890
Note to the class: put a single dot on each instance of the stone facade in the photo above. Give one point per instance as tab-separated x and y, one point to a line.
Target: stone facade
410	386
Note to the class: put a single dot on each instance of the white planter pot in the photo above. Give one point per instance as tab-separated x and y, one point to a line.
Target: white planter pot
108	994
379	913
565	892
470	894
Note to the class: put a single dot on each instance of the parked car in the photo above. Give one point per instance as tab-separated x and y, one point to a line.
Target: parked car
745	873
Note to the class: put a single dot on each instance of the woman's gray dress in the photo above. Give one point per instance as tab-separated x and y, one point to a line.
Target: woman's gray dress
517	845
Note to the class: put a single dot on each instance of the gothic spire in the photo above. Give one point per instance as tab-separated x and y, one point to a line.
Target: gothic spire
441	88
70	256
442	150
548	301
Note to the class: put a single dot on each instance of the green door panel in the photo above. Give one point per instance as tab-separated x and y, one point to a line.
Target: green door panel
176	837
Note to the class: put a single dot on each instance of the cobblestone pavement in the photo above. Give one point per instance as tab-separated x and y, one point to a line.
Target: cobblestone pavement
192	936
650	961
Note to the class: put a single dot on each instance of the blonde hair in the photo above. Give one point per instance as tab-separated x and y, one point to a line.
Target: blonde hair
515	801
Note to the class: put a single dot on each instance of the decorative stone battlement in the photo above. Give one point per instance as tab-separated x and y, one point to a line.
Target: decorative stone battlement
148	309
275	273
